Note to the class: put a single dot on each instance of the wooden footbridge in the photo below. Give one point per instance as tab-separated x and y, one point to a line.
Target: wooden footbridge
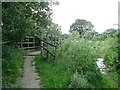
42	45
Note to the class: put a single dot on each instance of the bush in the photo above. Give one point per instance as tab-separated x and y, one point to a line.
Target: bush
79	81
12	61
75	54
111	56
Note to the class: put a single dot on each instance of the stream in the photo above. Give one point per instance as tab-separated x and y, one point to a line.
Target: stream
101	65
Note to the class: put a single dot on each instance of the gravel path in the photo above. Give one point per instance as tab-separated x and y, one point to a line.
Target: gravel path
30	78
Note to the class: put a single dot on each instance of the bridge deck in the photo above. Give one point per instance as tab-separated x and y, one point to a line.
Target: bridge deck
33	53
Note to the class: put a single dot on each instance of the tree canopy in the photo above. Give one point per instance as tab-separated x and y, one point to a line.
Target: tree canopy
81	26
25	18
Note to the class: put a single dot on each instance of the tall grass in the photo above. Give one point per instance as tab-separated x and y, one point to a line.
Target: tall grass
11	63
76	66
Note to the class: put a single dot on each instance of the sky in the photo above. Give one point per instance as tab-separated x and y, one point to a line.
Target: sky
103	14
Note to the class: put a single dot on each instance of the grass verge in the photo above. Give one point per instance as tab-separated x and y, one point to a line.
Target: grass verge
11	68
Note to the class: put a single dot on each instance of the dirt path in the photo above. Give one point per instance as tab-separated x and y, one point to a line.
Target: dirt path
30	78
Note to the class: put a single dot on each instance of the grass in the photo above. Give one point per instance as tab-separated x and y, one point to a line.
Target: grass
75	63
53	77
11	68
108	83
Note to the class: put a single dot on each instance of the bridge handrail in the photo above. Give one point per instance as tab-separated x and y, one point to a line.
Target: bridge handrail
48	52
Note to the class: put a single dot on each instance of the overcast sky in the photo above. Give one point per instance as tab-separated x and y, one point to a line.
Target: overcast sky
102	13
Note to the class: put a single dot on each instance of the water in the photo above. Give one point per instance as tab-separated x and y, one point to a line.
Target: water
101	65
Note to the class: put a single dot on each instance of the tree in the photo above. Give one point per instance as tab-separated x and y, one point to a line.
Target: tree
21	19
91	34
110	33
15	21
55	29
81	26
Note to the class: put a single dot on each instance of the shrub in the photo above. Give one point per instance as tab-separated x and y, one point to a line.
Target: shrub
79	81
11	63
75	54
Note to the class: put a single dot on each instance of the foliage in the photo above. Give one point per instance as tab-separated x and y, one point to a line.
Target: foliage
55	30
78	81
12	61
82	57
81	26
15	21
107	34
91	35
109	49
74	54
111	56
41	16
110	33
52	77
75	67
21	19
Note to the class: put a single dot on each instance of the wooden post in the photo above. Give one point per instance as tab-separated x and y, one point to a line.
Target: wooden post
56	51
34	43
47	54
41	44
21	44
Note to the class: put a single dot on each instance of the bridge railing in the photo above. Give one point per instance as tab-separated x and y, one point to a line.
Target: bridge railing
45	43
28	43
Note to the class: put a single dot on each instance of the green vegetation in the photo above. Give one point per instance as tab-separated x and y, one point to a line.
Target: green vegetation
81	26
76	65
20	19
11	64
24	18
76	62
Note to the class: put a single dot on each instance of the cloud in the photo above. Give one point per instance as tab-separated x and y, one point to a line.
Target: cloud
103	13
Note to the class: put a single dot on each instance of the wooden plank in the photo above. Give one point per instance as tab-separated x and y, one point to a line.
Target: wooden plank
48	43
55	41
26	42
29	37
29	47
49	52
